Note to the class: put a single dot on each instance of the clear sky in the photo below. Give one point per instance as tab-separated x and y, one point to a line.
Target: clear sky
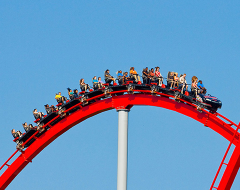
47	46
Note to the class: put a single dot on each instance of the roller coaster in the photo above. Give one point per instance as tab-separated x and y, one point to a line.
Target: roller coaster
125	96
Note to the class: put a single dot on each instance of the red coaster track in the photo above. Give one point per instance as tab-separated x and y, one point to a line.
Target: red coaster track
216	122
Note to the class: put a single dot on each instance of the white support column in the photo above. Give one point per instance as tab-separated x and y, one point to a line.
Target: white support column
122	149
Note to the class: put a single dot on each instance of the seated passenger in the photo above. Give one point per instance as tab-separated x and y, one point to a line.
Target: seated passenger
60	98
183	83
200	85
194	87
100	82
120	77
95	83
70	94
37	115
75	93
145	76
170	80
151	75
16	134
175	80
27	127
108	77
158	76
125	77
83	85
133	74
48	109
53	108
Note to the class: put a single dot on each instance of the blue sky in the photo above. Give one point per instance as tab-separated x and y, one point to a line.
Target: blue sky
48	46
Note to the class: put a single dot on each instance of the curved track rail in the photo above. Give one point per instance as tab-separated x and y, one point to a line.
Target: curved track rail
215	121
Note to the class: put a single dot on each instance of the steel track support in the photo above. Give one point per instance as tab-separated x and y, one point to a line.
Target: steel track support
231	170
122	149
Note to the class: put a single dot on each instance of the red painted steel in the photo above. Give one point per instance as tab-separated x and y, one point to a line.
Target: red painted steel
231	170
223	160
210	120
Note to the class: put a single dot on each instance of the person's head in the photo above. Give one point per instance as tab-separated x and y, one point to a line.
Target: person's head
75	91
157	68
24	124
95	78
120	71
46	106
99	78
171	73
59	93
184	75
152	70
126	73
34	110
107	71
13	131
200	81
194	79
131	68
176	74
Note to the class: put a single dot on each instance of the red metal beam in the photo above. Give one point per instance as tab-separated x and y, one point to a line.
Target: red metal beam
206	118
231	170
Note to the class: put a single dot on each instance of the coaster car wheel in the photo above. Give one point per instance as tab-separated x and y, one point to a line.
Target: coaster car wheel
130	88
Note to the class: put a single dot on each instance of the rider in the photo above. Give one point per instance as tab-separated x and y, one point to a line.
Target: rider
183	82
134	74
200	85
37	115
108	77
83	85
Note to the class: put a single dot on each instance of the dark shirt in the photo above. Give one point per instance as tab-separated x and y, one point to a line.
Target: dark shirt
36	115
75	95
107	75
171	77
16	134
27	128
48	110
145	74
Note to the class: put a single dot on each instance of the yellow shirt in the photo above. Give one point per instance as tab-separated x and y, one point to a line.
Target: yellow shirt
58	96
133	72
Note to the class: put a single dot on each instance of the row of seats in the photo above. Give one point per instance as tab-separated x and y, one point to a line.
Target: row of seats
149	77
